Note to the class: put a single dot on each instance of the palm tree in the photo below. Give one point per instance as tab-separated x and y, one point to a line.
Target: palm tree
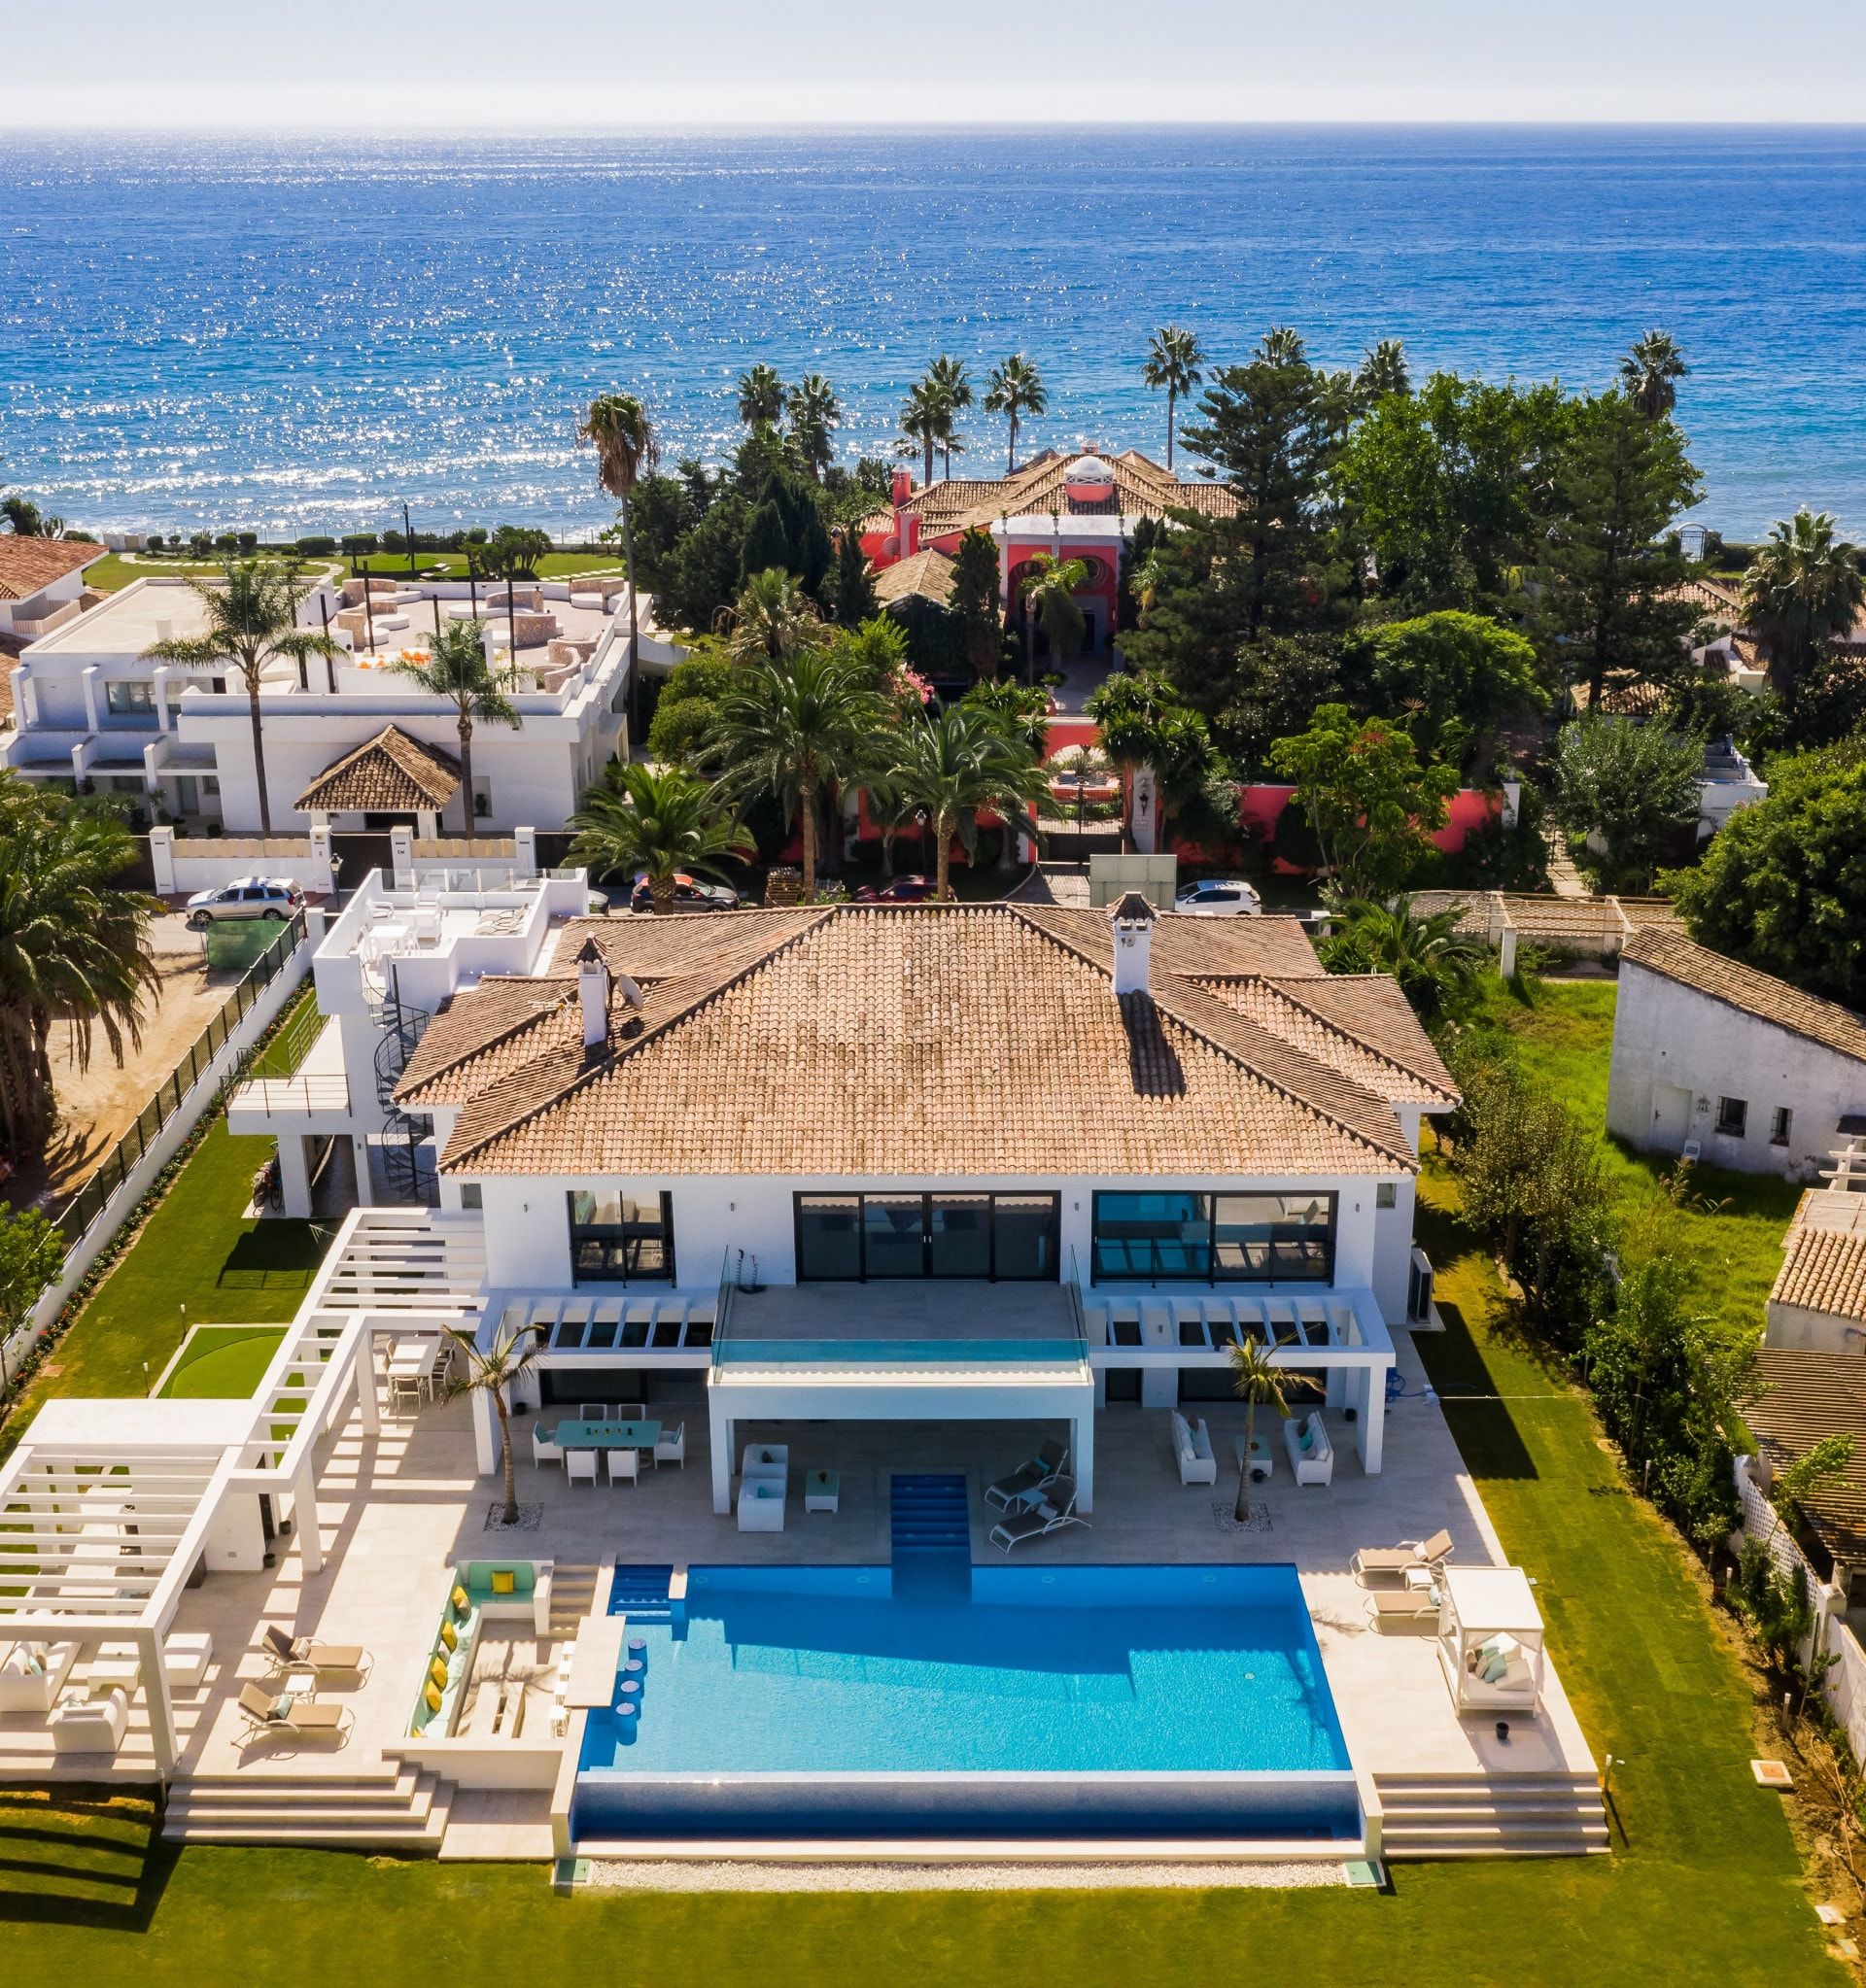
251	622
1175	363
1259	1383
794	729
617	424
1049	586
949	376
1015	389
1804	588
816	414
661	820
73	949
761	397
1436	965
1383	371
456	669
491	1370
1282	346
955	763
1650	371
772	620
926	416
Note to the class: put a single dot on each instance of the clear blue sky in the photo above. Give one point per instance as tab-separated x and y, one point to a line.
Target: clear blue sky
396	64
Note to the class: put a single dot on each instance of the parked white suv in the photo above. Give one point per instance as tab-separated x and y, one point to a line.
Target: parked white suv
1218	897
251	897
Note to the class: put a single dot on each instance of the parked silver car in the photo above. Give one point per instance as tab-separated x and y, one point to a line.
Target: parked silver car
251	897
1218	897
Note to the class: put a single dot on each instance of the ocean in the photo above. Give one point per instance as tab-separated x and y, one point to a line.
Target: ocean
301	334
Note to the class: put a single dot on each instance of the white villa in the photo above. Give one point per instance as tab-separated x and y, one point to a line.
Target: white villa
811	1226
91	709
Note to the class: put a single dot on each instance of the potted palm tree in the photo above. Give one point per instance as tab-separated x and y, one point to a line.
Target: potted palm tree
1258	1382
492	1370
456	669
659	820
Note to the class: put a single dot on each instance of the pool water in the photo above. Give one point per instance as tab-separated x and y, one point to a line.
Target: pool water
1159	1674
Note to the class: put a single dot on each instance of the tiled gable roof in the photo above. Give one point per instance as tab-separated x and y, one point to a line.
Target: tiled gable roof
389	772
1142	489
1823	1270
1743	987
1359	1024
26	564
964	1040
928	576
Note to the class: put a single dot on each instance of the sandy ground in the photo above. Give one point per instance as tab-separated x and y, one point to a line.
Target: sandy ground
99	1102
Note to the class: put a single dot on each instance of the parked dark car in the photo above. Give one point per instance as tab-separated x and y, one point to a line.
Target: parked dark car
904	890
690	895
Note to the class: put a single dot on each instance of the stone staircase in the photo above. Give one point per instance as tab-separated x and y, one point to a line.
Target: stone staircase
393	1809
1492	1815
572	1594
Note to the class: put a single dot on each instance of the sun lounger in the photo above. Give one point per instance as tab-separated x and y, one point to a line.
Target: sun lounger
1055	1510
286	1713
1406	1604
286	1651
1009	1490
1399	1559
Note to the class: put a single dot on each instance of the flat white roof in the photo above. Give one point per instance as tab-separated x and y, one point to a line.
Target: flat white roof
124	626
90	1423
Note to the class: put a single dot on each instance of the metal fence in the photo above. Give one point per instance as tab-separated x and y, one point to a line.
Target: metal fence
84	1208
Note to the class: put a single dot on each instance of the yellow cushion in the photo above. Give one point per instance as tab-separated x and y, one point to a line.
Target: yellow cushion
437	1670
462	1600
431	1697
450	1635
504	1581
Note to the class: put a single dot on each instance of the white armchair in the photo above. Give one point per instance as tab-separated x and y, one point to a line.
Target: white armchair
545	1448
1311	1454
1192	1447
672	1447
91	1724
579	1466
770	1461
761	1505
625	1466
32	1674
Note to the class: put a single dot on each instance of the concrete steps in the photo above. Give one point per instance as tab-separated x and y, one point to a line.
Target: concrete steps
1492	1815
405	1809
573	1595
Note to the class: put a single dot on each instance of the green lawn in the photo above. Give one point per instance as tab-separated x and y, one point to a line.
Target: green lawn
1703	1884
197	1250
222	1362
554	565
1731	1228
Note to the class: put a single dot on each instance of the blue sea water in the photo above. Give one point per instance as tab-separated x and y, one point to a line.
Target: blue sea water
813	1669
305	333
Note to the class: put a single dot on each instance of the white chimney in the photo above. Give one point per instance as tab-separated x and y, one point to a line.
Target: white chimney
593	992
1133	923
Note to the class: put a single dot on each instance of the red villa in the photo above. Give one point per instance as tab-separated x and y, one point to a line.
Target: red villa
1080	505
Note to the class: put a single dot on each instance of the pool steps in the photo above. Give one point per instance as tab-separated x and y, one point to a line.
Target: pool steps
931	1534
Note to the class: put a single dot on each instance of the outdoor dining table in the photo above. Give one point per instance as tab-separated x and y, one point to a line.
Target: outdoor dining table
606	1435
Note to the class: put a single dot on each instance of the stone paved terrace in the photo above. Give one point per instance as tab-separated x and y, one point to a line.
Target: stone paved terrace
397	1510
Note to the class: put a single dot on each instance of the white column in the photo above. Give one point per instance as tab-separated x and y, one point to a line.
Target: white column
164	716
1082	1457
721	1426
304	1505
525	852
485	1433
360	1148
89	680
161	1714
1373	1423
401	848
161	859
294	1175
368	1408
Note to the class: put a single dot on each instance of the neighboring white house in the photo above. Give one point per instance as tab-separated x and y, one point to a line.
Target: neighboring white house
92	707
1733	1066
937	1162
42	581
1819	1303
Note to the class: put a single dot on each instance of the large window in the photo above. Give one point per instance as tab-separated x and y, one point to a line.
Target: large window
1008	1238
1213	1238
616	1238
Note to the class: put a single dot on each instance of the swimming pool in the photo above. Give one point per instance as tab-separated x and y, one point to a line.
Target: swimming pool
1072	1700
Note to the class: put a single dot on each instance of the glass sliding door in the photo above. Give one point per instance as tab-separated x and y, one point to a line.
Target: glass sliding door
1173	1238
1005	1238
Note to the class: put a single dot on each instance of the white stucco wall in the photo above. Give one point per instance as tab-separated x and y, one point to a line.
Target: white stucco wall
1670	1039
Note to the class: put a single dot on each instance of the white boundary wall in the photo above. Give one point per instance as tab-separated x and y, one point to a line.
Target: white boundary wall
274	998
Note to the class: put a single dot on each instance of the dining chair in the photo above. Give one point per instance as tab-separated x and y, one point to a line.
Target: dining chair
592	1411
579	1465
672	1447
625	1466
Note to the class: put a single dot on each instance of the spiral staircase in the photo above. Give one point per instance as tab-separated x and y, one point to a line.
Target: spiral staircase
408	1160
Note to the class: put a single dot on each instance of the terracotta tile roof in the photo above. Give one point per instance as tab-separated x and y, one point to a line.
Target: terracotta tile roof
27	564
1743	987
1360	1025
1823	1270
868	1041
1142	489
390	772
927	574
1801	1398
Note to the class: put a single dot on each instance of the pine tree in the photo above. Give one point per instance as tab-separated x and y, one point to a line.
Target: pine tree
977	602
853	589
767	542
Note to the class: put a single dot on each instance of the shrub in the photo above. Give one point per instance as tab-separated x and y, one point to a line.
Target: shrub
154	541
317	546
226	542
248	541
